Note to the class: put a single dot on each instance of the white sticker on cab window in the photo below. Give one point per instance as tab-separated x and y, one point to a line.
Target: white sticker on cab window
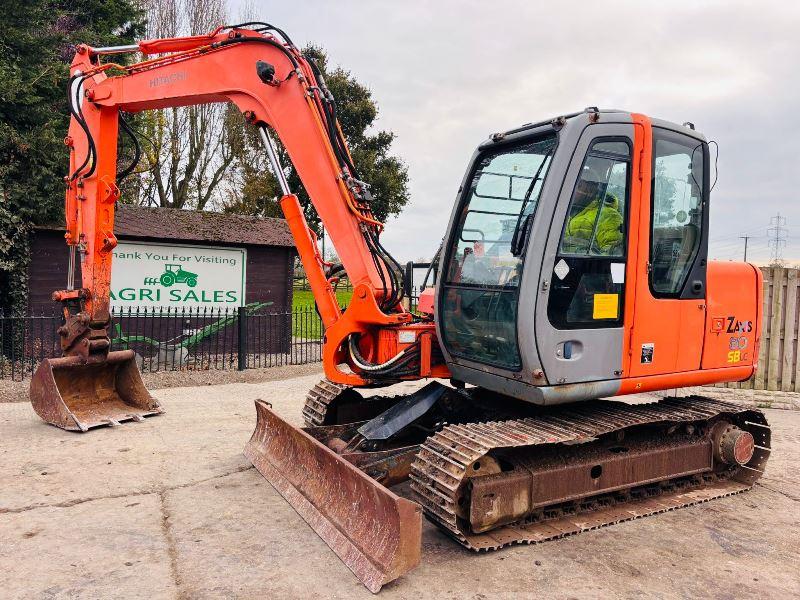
561	269
618	272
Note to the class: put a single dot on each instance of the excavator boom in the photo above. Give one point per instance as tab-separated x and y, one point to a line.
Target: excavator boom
277	90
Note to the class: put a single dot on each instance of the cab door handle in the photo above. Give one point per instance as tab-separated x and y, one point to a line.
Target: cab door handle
569	350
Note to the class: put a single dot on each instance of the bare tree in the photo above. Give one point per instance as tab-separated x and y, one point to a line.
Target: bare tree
249	186
187	149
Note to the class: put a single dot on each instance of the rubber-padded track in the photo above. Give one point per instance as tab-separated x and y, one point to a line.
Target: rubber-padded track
441	468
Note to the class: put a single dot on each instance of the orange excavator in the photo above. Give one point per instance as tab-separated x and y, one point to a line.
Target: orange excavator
574	269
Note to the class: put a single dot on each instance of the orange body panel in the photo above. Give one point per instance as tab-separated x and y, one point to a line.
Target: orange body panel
426	301
667	381
733	324
692	344
673	326
641	134
397	339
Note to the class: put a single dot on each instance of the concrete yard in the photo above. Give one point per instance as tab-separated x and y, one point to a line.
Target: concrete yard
169	508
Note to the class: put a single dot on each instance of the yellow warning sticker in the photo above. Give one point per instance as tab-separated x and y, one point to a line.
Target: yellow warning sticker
606	306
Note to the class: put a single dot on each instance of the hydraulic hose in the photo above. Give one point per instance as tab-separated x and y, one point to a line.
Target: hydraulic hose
137	149
262	26
256	40
74	103
362	364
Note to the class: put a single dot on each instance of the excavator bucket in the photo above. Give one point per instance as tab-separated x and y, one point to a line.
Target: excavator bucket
373	531
74	395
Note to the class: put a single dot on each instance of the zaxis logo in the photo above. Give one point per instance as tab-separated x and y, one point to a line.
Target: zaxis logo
173	274
735	326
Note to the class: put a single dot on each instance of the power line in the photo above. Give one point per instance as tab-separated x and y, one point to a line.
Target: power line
733	236
777	235
745	238
737	244
755	247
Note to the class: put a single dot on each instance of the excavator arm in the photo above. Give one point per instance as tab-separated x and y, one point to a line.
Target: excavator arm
277	90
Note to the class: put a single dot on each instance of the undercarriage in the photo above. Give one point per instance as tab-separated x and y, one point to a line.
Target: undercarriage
490	471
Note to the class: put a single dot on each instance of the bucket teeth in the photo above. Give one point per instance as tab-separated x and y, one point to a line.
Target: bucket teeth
76	395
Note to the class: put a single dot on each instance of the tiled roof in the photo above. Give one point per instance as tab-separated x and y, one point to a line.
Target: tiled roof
201	226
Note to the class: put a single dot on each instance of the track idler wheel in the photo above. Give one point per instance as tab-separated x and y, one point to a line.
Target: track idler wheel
732	446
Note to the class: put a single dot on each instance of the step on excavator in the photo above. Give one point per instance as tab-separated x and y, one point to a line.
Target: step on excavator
573	273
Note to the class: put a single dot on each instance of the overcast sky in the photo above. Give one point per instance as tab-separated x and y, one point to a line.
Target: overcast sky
447	74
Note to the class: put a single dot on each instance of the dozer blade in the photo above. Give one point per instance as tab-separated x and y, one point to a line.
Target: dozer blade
377	534
74	395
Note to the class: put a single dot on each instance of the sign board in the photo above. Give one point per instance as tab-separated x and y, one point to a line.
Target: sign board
164	276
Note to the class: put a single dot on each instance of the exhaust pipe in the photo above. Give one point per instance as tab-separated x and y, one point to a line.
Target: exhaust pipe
377	534
76	395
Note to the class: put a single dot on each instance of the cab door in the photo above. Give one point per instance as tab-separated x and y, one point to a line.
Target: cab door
669	306
580	307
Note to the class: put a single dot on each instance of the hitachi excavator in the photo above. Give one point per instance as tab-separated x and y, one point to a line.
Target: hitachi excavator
574	269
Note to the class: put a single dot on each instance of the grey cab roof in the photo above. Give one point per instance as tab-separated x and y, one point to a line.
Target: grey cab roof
611	115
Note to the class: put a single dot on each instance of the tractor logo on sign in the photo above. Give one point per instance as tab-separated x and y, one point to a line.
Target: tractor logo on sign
173	274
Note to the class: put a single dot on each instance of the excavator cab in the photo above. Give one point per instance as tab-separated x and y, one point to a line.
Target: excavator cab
560	228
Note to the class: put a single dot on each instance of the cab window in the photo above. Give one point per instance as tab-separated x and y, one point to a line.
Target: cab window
594	226
504	190
677	210
588	279
484	267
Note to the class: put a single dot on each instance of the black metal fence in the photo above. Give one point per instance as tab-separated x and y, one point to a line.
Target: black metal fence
248	337
242	338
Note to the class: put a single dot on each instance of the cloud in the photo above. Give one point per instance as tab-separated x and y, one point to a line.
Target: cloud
447	74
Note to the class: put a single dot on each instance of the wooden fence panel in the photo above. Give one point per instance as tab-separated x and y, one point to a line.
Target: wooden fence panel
778	360
788	367
775	319
794	316
759	381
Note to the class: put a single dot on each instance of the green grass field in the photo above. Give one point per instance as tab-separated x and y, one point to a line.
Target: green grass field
305	299
305	321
